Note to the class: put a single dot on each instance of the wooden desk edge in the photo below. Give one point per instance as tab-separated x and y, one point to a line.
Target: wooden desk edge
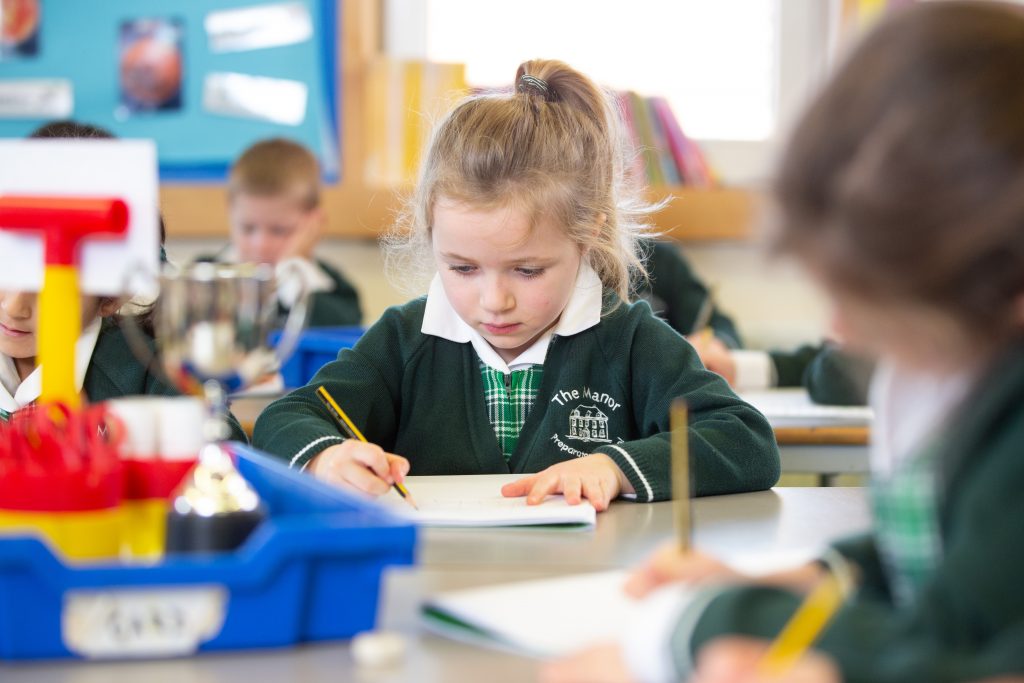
851	436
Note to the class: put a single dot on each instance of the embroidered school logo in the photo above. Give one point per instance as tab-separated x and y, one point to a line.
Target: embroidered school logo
588	423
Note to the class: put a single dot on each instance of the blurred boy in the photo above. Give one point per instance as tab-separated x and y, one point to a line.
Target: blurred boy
275	217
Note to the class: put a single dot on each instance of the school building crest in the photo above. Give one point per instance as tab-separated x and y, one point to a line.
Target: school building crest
588	423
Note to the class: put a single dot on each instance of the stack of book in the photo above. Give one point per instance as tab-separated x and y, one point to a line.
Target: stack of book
664	154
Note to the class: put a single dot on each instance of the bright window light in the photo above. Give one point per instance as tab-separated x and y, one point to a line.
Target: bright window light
715	60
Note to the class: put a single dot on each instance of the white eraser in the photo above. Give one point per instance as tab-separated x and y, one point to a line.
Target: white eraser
378	648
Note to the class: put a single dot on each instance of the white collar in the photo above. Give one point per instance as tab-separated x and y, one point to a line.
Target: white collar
229	254
904	421
16	394
582	312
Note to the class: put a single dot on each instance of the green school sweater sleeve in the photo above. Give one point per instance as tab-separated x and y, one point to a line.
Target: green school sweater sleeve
862	551
964	623
732	446
832	376
677	294
365	381
790	366
838	377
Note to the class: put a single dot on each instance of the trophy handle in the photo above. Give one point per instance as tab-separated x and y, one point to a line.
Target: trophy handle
141	344
294	323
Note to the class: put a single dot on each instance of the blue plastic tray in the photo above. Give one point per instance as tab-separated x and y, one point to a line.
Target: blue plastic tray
311	572
316	347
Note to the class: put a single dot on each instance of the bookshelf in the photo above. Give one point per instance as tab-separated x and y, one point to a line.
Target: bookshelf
359	211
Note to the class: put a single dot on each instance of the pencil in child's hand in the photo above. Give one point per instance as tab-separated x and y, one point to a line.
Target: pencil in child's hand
353	433
804	626
704	314
681	472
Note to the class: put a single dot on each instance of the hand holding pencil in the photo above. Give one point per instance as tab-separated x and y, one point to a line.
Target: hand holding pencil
356	463
739	660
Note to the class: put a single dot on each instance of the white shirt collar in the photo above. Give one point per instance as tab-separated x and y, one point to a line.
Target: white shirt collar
229	254
582	312
903	421
16	394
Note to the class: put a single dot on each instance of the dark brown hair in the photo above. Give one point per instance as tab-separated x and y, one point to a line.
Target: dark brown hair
904	181
67	128
552	146
277	166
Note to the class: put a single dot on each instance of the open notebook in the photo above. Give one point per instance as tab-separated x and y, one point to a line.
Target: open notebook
554	617
476	501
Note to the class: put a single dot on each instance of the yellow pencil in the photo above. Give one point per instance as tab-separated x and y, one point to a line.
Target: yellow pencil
804	626
681	472
354	433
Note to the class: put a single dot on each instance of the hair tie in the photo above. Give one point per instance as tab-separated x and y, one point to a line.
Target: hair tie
538	85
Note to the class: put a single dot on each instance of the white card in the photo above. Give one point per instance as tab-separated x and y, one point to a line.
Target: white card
142	622
278	100
36	98
124	169
252	28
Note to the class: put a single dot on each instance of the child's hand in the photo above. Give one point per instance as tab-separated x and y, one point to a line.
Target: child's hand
305	237
738	660
715	355
669	564
598	664
595	477
359	465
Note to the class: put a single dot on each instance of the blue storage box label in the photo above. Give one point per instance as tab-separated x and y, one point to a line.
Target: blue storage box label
151	622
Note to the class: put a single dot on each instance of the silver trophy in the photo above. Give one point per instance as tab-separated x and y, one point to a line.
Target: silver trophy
212	324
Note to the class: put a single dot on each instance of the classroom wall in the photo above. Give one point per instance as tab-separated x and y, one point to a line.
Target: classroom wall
773	303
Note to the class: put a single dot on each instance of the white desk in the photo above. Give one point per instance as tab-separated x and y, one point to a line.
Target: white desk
454	558
816	439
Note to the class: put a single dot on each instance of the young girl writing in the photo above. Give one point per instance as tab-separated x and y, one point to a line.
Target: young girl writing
903	193
523	357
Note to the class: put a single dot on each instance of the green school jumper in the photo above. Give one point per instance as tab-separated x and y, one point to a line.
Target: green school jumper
677	295
115	371
831	375
336	307
942	578
606	389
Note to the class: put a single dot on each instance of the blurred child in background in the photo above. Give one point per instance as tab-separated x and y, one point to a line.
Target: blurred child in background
276	217
902	192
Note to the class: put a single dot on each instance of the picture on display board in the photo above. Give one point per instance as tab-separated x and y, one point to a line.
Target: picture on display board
194	75
20	21
151	61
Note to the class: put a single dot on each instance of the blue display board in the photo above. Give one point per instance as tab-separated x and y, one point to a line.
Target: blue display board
82	42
